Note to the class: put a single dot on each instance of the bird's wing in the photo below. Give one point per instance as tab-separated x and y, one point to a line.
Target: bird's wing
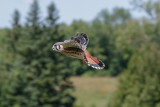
92	61
79	41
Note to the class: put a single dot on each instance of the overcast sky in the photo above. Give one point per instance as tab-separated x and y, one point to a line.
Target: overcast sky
68	9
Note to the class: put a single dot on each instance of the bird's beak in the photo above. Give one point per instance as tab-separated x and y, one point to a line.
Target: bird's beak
53	48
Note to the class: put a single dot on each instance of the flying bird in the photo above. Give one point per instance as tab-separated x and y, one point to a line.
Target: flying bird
76	48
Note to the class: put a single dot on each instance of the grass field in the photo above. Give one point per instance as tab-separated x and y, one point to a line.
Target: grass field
93	91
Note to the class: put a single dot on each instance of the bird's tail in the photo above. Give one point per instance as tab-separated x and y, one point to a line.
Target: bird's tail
89	60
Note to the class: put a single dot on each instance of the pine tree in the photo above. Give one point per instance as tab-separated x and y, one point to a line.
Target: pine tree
52	15
15	33
33	18
16	19
11	41
39	77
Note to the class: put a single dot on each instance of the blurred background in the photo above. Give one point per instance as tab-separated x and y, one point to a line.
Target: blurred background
125	35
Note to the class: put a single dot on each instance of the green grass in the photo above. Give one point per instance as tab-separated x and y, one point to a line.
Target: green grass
93	91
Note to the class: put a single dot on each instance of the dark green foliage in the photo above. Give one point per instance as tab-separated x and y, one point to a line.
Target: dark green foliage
33	75
108	24
36	76
139	86
9	43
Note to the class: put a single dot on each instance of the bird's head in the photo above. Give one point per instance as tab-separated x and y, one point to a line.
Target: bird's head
57	47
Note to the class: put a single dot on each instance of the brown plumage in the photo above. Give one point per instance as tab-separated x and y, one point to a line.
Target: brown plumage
76	48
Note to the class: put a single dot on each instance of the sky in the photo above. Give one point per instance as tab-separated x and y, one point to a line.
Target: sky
69	10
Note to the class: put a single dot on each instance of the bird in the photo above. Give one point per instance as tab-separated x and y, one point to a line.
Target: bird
76	48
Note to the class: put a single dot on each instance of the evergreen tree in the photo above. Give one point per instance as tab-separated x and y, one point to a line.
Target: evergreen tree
39	77
52	15
11	40
139	86
16	19
15	33
33	18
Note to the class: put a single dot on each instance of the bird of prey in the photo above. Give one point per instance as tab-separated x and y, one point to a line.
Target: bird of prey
76	48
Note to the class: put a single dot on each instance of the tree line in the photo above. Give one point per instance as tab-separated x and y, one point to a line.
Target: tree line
33	75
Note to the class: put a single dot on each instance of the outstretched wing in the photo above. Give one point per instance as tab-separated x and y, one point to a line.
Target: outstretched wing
82	39
79	41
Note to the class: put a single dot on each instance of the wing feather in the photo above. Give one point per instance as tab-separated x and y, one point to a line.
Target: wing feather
92	61
71	43
79	41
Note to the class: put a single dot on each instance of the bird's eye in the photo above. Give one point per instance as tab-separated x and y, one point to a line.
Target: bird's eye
57	47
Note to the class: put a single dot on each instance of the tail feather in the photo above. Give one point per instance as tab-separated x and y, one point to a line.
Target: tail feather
92	61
